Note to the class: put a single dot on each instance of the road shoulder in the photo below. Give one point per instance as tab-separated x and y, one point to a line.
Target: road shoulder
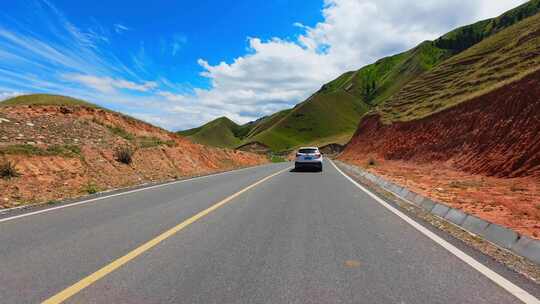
514	267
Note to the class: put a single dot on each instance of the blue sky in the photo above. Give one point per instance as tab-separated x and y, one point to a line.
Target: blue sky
178	64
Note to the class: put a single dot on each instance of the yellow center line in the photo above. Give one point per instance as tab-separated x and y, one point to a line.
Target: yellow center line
89	280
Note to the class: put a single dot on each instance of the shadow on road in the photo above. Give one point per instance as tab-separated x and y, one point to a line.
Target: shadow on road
305	170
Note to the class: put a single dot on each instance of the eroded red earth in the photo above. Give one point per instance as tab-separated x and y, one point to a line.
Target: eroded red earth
53	177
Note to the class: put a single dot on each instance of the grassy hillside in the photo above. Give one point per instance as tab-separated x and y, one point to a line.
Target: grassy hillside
221	132
375	83
46	99
464	37
332	114
497	60
267	122
323	116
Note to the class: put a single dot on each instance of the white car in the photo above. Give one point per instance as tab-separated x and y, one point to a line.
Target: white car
308	157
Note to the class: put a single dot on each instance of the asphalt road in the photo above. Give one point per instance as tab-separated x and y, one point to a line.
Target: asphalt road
293	238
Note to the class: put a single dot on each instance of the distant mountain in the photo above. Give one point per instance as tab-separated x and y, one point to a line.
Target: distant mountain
221	132
225	133
332	114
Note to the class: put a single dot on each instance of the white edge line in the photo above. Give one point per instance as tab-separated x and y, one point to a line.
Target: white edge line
513	289
118	194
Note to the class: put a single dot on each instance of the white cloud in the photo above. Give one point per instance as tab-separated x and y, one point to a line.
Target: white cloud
8	95
177	43
120	28
490	8
108	84
279	73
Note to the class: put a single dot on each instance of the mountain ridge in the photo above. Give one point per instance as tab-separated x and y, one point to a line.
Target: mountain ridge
353	94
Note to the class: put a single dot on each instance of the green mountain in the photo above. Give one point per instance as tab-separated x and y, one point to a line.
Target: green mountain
497	60
225	133
221	132
332	114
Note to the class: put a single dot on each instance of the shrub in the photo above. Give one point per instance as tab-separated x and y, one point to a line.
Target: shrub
64	150
120	132
8	170
149	142
277	158
22	149
124	154
90	188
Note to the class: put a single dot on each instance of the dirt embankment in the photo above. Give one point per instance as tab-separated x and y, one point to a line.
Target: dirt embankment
497	134
482	156
63	152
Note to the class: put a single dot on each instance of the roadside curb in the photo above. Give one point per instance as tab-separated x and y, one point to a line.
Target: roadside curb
500	236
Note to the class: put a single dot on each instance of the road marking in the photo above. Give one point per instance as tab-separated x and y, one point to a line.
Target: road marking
116	194
89	280
515	290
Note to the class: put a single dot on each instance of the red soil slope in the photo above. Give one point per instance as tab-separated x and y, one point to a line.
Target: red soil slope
51	176
482	156
497	134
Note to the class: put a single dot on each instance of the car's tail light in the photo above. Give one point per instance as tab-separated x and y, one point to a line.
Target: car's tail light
297	154
318	155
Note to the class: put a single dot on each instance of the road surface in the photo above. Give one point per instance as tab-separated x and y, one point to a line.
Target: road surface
294	237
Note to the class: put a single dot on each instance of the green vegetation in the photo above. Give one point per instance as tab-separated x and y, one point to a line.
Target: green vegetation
90	188
502	58
219	133
323	116
64	150
149	142
22	149
266	122
46	99
118	131
464	37
54	150
428	78
277	158
8	170
375	82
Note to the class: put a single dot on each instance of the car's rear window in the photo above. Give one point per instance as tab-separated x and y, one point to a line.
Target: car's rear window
307	151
